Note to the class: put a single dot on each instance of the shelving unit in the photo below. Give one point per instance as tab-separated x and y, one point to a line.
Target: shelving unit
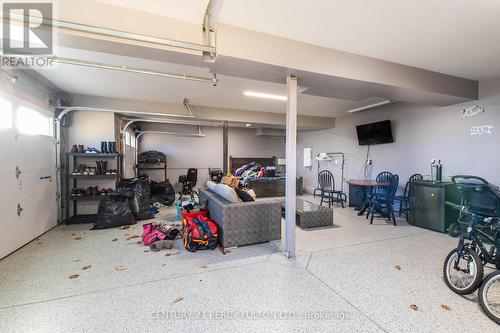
72	182
150	166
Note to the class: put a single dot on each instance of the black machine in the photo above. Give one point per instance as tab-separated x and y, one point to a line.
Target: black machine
375	133
479	244
188	182
215	175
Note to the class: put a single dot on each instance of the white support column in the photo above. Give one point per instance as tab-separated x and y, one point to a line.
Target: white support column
291	167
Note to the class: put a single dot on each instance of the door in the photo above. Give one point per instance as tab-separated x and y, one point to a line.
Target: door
28	205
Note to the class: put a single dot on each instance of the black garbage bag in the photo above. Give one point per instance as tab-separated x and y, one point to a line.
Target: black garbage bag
140	188
162	192
114	211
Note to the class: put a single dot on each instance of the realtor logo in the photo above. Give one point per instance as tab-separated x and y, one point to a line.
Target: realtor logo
27	29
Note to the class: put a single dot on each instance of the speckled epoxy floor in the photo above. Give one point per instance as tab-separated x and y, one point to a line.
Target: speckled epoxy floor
343	279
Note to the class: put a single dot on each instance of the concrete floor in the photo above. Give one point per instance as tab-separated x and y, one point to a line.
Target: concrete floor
344	279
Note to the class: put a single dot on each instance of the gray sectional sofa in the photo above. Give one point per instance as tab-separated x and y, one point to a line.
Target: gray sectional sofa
244	223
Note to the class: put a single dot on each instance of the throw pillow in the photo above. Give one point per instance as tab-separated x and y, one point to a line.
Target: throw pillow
226	192
251	192
211	185
244	196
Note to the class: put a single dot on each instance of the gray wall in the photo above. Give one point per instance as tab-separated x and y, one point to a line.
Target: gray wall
421	133
203	153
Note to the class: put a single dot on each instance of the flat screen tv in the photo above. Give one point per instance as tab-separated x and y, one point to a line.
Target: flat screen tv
375	133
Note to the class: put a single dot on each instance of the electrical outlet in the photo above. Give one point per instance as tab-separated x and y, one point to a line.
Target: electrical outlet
369	162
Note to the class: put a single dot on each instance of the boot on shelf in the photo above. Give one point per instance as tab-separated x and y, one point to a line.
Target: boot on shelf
104	165
98	168
81	149
112	146
74	149
104	147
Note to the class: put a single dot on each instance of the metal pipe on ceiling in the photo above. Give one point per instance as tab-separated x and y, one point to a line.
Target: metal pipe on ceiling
188	108
193	135
190	121
209	28
212	80
116	33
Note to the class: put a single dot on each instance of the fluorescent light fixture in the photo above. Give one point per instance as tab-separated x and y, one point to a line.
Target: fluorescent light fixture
371	106
264	95
323	157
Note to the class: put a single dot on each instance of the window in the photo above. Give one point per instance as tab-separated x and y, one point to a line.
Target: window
127	138
33	122
5	114
132	143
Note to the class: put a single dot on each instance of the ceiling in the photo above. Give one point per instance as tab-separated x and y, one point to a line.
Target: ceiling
454	37
228	93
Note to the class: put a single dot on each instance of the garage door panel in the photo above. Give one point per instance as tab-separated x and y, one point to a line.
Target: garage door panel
35	187
20	230
43	213
35	153
8	152
10	235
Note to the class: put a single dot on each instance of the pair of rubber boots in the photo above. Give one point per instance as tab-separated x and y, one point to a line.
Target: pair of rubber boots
108	147
102	167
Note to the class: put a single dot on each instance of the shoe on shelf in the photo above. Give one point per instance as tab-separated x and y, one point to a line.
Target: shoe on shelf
81	149
74	192
91	150
74	149
88	191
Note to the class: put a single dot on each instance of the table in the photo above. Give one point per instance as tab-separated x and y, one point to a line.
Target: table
360	188
311	215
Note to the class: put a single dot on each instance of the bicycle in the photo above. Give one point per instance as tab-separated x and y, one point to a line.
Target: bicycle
464	266
489	296
479	244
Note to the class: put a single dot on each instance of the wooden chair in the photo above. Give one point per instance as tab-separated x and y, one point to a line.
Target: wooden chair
381	203
405	198
326	183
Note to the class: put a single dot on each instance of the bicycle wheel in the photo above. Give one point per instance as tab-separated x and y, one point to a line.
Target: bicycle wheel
467	278
489	296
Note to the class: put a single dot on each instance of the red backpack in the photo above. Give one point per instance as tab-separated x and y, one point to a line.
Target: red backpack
200	233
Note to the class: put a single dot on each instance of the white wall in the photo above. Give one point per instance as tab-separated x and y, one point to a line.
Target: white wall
421	133
204	153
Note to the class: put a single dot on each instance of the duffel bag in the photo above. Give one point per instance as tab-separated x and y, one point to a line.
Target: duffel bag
200	233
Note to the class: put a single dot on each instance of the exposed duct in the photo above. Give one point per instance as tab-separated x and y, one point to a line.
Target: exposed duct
213	80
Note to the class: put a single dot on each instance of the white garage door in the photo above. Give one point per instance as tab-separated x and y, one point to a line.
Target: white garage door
27	146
